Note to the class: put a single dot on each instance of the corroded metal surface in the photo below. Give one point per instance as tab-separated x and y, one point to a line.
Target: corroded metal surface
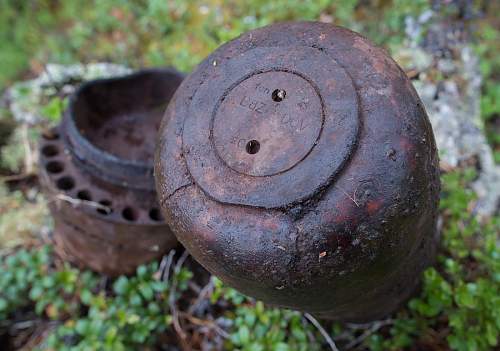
298	164
97	170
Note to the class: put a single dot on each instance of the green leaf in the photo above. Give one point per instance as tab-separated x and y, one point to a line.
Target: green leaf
86	296
244	335
82	326
146	291
492	334
135	300
53	110
142	271
36	292
464	296
281	347
3	305
120	287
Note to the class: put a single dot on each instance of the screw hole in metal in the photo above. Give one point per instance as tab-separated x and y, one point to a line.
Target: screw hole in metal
130	214
155	215
65	183
54	167
106	210
50	151
253	146
278	95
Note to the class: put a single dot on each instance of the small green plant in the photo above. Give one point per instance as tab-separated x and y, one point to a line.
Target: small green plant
28	279
257	328
463	291
54	109
132	317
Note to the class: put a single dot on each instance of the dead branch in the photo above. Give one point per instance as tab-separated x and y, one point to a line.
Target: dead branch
372	328
205	323
323	332
78	202
172	303
204	294
165	265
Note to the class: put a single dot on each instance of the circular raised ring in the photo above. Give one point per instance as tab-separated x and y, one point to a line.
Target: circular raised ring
222	169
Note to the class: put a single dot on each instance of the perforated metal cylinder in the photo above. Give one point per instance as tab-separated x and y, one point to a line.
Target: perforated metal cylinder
97	172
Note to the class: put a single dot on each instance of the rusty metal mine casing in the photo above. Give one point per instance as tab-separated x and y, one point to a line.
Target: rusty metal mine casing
298	164
96	169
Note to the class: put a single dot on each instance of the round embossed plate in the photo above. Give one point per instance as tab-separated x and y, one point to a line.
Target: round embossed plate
268	135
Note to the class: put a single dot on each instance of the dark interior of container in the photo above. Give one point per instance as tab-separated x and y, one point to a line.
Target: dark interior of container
122	116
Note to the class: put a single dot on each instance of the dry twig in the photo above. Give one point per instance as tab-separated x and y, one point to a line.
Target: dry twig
172	303
323	332
165	265
371	328
204	294
78	202
205	323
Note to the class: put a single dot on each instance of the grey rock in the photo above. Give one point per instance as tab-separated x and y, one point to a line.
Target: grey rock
25	99
453	106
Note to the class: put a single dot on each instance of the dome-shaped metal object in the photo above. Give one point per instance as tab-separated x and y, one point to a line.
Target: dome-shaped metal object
297	164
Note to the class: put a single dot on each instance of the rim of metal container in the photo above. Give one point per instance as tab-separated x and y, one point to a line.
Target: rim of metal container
101	163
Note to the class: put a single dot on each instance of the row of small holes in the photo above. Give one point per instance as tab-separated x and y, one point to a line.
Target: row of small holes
67	183
128	213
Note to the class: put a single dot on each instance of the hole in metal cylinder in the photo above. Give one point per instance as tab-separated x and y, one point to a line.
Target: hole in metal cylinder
106	209
84	195
54	167
65	183
50	151
155	215
130	214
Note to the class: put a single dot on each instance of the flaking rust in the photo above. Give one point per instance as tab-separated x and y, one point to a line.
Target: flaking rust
97	172
297	164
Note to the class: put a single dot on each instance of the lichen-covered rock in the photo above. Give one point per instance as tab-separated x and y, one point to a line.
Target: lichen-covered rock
26	98
446	75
